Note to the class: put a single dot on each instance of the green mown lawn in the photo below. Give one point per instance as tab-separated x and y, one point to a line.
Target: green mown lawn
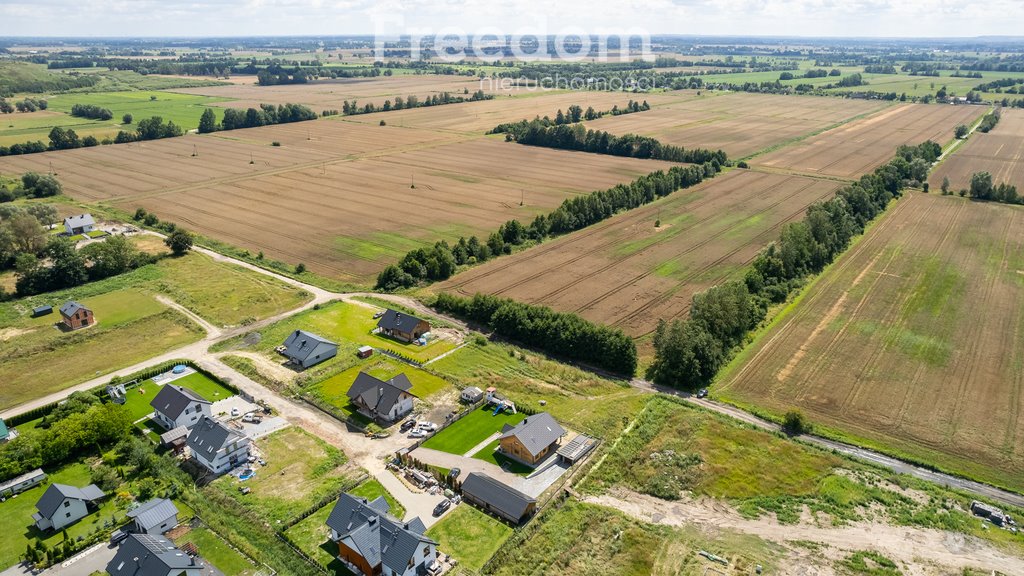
140	396
217	552
469	535
371	489
334	389
471	430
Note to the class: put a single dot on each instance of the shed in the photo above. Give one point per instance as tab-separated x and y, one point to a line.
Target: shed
498	498
471	394
155	516
42	310
365	351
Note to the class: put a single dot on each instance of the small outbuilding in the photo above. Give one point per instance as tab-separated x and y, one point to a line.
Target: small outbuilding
402	326
497	498
42	310
471	394
80	224
21	483
155	517
5	432
365	351
75	316
305	349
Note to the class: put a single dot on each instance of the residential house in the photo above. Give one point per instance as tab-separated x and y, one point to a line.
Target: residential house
471	395
402	326
76	316
496	497
217	447
6	433
155	517
61	505
21	483
148	555
372	542
531	440
176	406
382	401
305	349
80	224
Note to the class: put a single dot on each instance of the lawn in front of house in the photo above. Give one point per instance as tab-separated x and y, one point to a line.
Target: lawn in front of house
301	469
334	390
471	430
217	552
469	535
350	325
490	454
311	535
139	397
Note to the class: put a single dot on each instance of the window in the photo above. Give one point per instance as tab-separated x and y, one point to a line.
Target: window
68	515
67	503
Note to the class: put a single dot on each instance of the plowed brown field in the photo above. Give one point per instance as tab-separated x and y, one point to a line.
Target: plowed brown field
627	273
913	340
1000	153
739	123
861	146
336	195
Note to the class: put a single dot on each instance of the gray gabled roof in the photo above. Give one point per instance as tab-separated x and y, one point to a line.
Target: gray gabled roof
148	555
378	395
79	220
51	500
70	307
392	320
153	513
300	345
510	502
172	399
208	436
535	432
378	537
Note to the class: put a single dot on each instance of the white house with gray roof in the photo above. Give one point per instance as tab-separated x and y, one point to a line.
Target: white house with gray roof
217	447
384	401
61	505
304	349
531	440
79	224
176	406
155	516
148	555
372	542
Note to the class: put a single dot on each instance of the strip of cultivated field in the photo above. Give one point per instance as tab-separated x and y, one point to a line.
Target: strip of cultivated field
912	341
337	196
740	124
628	273
999	152
861	146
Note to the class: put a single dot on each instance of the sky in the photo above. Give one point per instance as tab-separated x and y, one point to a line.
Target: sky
190	18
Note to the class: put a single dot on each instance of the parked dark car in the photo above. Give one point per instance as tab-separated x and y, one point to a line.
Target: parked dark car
442	506
118	536
703	393
408	425
454	473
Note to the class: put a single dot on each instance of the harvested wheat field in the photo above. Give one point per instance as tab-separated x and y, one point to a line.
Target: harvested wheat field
999	152
741	124
331	94
485	115
628	273
343	203
913	340
861	146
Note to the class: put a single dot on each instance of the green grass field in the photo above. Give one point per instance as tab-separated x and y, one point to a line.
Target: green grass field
347	324
217	552
334	390
469	535
471	430
301	469
37	359
140	397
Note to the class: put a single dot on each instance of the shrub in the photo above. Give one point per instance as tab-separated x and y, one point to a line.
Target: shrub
794	423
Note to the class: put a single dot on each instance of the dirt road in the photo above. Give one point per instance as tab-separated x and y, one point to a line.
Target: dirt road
920	551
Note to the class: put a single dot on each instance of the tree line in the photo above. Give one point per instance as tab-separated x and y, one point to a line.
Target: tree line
352	108
573	115
265	115
689	352
562	334
23	105
982	188
577	137
91	111
989	121
67	139
441	261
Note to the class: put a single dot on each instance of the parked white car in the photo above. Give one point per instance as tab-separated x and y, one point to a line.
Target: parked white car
417	434
426	426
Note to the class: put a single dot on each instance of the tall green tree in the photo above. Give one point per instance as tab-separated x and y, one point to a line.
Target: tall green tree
207	122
